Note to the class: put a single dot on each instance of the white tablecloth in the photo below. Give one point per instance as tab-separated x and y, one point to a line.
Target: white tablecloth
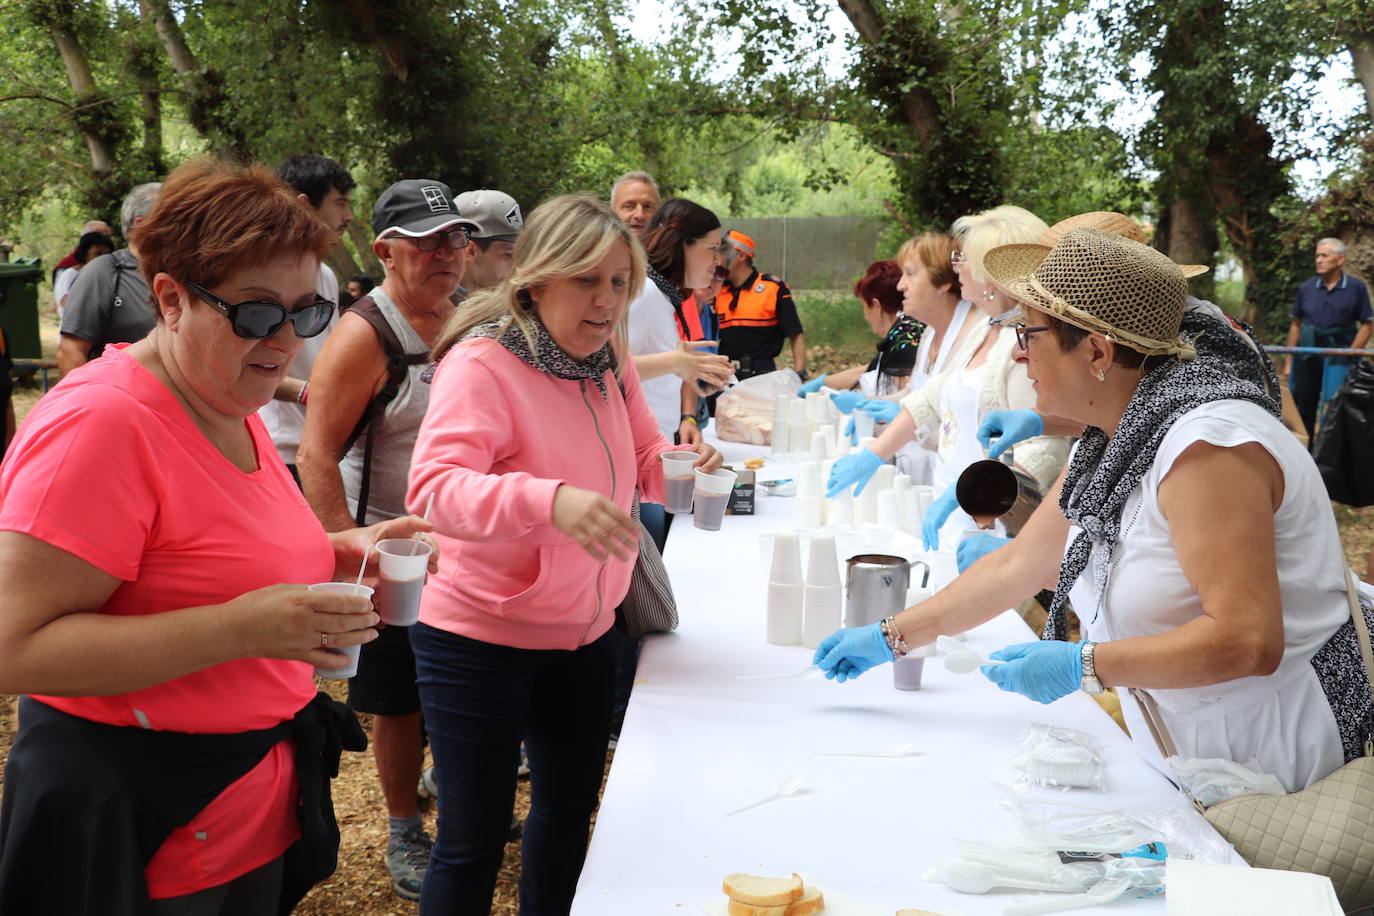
698	742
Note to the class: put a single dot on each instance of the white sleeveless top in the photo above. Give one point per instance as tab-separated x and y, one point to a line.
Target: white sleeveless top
913	458
959	446
396	433
1283	720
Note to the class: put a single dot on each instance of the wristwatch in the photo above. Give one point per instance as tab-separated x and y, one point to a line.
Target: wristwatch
1090	684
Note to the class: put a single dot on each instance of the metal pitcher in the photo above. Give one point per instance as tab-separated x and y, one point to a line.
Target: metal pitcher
876	585
989	490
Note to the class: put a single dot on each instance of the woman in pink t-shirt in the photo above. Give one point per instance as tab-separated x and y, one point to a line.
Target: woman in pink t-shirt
156	554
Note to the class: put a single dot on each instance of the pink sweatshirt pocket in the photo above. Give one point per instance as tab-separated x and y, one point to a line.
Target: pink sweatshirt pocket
557	590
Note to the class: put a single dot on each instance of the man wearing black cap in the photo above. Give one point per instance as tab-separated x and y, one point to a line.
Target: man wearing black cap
369	373
493	244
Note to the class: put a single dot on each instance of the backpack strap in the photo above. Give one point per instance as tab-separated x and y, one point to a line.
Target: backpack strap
398	364
115	300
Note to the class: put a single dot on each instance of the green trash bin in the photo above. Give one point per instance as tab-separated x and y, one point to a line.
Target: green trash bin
19	281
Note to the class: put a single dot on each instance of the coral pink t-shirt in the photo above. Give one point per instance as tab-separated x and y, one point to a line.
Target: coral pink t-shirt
109	467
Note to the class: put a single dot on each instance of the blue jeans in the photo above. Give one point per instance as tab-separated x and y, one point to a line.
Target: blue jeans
479	701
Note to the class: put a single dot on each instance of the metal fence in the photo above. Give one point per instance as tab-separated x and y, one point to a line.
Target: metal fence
813	252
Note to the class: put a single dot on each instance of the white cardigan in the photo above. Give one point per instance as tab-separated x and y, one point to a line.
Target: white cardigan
1005	387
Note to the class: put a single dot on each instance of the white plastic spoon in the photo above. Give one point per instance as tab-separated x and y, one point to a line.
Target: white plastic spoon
959	658
904	750
1102	892
786	789
810	673
974	878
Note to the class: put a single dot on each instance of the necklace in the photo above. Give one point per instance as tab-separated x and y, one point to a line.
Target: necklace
252	464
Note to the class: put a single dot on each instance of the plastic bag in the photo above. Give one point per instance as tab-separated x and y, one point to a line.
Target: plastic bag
1059	758
1211	779
744	412
1345	444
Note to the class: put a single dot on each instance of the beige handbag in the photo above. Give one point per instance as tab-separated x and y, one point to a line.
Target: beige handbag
1326	829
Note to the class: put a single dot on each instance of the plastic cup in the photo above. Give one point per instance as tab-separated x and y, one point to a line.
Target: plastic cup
710	497
906	672
678	481
403	562
351	652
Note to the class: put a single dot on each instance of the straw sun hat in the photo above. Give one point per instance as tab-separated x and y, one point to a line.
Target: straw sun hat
1101	282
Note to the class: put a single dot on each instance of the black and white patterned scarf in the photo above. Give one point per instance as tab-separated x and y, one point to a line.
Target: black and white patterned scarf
1105	471
546	355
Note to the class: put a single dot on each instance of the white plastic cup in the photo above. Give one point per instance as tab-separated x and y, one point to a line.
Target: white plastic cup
820	449
710	497
822	566
821	613
784	618
906	672
786	568
884	476
889	510
925	495
798	437
781	418
798	411
678	480
839	511
863	423
403	563
351	652
809	512
828	430
809	479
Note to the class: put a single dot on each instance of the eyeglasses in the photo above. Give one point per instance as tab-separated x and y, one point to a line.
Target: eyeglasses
957	257
1023	334
454	238
256	318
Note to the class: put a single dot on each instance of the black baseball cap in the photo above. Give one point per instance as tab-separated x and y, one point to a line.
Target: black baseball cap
416	207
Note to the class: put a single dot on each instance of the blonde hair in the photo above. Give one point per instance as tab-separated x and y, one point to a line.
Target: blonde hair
1004	225
563	237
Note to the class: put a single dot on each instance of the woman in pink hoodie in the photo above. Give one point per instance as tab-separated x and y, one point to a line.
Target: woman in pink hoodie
536	438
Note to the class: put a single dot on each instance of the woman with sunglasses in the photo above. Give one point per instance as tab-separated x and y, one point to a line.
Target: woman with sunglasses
173	756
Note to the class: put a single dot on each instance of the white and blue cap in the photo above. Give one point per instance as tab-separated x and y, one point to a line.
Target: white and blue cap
496	212
417	207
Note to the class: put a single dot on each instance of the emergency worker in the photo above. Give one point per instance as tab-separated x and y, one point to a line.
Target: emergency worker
756	314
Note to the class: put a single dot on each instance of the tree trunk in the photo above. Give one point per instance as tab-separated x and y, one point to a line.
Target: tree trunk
83	86
142	63
1189	228
208	108
918	103
1362	58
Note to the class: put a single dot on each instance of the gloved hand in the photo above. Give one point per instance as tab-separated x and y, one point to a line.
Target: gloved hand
1001	429
852	431
1044	671
846	401
848	653
936	516
813	385
971	550
852	470
880	409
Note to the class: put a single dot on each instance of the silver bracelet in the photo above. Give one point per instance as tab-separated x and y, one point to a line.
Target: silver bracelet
893	635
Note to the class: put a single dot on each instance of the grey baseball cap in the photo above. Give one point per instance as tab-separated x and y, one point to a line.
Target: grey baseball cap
496	212
416	207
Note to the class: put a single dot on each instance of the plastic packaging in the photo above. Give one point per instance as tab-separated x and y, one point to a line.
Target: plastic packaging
744	413
1059	758
1211	779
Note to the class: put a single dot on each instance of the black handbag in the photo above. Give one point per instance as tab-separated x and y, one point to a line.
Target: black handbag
1345	445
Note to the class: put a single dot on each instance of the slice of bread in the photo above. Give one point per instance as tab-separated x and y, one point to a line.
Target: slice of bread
735	908
810	902
757	891
917	913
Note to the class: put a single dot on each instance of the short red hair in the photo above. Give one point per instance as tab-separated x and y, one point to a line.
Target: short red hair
881	283
212	218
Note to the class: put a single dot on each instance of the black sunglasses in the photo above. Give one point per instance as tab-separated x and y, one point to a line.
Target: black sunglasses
256	319
1023	334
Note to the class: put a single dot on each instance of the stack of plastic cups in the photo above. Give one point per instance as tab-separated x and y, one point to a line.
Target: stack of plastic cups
808	502
908	510
889	512
883	477
865	442
799	434
863	423
781	425
785	599
828	430
824	601
839	510
820	449
816	414
925	495
866	503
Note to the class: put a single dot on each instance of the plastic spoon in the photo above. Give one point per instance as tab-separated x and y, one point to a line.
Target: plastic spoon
904	750
973	878
1102	892
810	673
786	789
959	658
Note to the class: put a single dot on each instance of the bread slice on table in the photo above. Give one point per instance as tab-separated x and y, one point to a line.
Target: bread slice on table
811	901
765	892
917	913
735	908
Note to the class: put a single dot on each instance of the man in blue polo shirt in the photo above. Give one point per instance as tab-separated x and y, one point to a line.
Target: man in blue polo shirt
1330	310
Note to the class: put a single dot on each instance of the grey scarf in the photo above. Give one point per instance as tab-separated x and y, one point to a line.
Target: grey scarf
1105	471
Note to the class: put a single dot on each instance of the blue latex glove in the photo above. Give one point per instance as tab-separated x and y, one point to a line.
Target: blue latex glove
846	401
881	410
848	653
1001	429
936	516
852	471
811	386
851	431
1043	671
971	550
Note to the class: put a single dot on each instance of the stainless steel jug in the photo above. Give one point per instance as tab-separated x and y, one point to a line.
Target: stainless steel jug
875	587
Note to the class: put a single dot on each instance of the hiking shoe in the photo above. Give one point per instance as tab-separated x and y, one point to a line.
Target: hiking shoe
407	857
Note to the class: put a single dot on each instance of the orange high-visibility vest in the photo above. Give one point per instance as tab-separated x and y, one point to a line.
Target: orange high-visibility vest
755	305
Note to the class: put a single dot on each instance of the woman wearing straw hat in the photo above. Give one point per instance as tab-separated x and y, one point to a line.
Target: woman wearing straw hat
1254	658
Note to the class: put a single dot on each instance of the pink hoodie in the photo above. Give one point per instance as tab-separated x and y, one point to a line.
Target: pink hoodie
498	439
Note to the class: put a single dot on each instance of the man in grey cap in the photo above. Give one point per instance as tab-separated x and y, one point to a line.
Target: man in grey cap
366	401
493	245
